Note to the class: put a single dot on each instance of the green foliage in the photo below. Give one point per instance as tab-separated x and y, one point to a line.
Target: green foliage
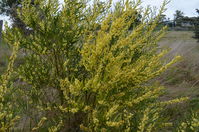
191	124
197	26
9	8
7	119
86	67
178	16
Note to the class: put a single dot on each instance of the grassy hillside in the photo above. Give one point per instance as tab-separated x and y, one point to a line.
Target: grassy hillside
182	78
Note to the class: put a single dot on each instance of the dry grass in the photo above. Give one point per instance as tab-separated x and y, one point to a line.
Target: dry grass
183	78
4	57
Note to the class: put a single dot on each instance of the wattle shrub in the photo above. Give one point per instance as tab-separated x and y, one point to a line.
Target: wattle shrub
89	66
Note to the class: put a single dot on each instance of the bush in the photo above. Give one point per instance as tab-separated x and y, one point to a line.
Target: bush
87	68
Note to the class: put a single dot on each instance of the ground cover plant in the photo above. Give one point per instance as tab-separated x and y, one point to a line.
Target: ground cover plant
87	66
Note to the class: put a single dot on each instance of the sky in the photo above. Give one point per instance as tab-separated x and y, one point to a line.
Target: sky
186	6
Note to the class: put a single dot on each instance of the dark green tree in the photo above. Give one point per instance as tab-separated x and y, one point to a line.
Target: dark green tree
9	8
197	26
178	16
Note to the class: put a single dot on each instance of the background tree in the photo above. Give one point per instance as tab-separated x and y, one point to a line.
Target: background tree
9	8
163	18
197	26
178	16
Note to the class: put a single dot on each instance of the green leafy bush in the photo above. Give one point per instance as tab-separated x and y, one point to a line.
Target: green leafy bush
89	66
